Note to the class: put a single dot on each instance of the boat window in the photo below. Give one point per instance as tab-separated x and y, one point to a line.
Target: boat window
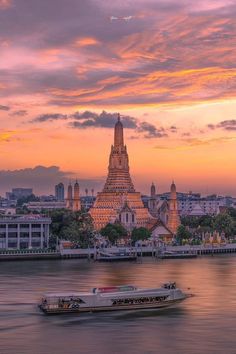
140	300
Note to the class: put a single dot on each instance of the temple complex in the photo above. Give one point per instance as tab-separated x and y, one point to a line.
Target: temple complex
173	221
73	200
119	202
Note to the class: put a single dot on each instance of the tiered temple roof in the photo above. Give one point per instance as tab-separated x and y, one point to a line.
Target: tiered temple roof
119	188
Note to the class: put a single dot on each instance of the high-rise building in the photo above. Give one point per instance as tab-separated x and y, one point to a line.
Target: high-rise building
18	193
173	221
119	202
59	192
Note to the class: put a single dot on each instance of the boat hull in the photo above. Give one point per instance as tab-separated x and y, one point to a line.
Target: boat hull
112	308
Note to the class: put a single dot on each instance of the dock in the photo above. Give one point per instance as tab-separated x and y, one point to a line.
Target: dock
138	252
152	251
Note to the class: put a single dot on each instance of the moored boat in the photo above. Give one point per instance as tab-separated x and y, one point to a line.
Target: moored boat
121	255
113	298
176	255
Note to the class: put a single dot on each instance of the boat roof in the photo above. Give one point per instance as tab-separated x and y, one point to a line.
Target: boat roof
67	294
135	291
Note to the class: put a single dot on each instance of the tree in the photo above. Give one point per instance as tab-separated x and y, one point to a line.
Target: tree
232	212
113	232
183	234
224	223
73	226
140	234
190	221
24	200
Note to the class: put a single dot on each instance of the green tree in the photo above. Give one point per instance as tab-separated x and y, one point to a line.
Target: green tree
224	223
183	234
190	221
232	212
73	226
140	234
23	200
113	232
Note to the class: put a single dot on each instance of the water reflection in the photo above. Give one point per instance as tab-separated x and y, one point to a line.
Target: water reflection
202	324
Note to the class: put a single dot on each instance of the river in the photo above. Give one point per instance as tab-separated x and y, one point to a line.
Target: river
203	324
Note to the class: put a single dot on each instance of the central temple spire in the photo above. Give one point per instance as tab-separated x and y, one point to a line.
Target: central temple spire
118	178
118	133
119	202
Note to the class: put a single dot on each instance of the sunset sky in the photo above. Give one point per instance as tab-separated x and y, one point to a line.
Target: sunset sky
66	69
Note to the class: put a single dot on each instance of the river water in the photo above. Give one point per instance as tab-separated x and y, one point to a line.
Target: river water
203	324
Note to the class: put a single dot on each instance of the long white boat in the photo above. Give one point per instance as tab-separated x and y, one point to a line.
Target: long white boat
126	297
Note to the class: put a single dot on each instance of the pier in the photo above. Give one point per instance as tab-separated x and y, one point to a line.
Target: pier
151	251
91	253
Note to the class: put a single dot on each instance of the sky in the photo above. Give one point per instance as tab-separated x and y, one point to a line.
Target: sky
67	69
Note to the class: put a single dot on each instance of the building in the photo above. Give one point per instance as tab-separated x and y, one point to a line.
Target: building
59	192
173	220
87	202
39	206
118	194
76	199
18	193
189	204
24	232
73	200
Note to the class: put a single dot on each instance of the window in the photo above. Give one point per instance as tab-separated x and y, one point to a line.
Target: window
127	217
24	226
36	226
12	226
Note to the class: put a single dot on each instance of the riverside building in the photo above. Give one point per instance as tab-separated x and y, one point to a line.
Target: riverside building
119	202
24	232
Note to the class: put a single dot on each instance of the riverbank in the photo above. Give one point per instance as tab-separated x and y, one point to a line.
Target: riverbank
90	253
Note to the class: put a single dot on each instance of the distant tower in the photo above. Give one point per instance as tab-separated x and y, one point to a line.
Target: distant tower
59	192
69	199
76	199
86	192
173	215
153	190
92	191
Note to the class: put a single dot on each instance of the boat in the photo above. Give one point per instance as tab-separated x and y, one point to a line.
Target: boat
114	298
176	255
121	255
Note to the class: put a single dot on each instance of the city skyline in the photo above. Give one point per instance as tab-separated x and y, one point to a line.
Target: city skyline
169	71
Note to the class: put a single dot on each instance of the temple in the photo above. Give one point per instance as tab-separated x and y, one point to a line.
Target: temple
173	221
73	202
119	202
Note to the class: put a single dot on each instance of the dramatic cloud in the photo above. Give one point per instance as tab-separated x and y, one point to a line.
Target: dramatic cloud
150	130
4	4
229	125
89	119
103	120
49	117
4	108
42	179
189	143
20	113
170	53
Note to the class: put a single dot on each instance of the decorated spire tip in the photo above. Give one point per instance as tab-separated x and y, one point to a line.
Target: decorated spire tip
118	117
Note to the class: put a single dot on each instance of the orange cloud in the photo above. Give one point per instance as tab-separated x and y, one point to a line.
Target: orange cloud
86	41
4	4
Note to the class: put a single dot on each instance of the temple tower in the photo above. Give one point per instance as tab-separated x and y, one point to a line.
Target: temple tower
69	199
173	215
118	189
76	199
118	178
153	190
